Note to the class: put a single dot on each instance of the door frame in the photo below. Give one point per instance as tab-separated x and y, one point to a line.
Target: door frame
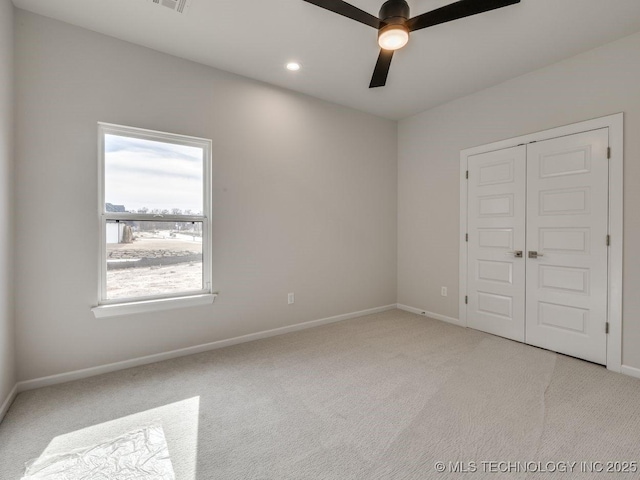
615	124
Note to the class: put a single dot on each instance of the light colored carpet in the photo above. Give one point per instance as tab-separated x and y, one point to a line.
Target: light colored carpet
378	397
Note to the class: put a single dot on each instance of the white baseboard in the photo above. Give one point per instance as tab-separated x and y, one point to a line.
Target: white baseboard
8	401
158	357
631	371
426	313
625	369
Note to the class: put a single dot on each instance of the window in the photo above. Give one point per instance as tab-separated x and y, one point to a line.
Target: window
154	215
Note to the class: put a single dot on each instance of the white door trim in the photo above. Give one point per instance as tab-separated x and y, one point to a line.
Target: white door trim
615	123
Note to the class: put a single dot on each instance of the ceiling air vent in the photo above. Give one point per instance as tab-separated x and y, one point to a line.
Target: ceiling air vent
175	5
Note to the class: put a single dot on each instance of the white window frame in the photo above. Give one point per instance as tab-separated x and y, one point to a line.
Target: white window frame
109	307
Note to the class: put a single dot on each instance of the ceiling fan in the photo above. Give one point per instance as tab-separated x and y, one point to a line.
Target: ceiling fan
394	25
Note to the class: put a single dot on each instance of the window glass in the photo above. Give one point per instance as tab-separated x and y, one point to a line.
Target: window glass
148	176
149	258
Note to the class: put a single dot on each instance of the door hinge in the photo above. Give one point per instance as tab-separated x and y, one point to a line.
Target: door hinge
606	327
466	299
608	152
466	237
608	240
467	175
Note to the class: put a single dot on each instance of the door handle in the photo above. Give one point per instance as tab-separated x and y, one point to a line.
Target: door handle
515	253
534	254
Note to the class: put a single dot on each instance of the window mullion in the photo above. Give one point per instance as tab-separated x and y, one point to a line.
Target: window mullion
145	217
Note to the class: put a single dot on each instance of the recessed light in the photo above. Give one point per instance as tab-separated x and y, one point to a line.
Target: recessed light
293	66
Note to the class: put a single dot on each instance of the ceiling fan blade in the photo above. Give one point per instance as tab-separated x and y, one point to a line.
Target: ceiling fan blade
347	10
379	78
460	9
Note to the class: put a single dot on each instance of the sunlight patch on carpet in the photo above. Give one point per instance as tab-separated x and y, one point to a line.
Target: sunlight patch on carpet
140	454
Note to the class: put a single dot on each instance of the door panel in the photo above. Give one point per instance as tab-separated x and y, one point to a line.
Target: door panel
567	224
496	227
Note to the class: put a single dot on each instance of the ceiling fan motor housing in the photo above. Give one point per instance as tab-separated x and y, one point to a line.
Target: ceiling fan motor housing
393	13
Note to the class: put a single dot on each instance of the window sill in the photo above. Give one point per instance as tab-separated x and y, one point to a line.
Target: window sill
146	306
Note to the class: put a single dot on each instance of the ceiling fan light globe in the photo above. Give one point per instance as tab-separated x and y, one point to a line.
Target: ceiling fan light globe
393	37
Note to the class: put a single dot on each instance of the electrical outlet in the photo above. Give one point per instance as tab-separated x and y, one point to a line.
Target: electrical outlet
443	291
291	298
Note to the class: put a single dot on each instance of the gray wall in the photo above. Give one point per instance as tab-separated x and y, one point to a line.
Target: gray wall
7	335
597	83
305	198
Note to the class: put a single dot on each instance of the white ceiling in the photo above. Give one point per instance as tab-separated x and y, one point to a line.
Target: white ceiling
255	38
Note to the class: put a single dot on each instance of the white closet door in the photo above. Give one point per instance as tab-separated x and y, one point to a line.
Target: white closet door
567	223
496	228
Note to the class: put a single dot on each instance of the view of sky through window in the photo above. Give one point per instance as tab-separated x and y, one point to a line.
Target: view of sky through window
147	176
